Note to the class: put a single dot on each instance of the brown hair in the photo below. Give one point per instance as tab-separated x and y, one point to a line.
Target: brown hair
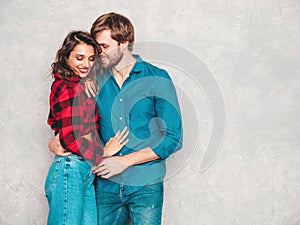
74	38
121	28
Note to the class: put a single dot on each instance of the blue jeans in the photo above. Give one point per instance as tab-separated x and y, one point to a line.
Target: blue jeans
70	192
144	206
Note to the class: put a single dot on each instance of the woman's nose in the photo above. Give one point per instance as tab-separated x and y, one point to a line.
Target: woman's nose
86	63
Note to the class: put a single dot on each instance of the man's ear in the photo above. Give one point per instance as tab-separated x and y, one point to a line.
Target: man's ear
124	45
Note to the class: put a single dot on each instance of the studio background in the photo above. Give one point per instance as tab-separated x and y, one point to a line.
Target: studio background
252	49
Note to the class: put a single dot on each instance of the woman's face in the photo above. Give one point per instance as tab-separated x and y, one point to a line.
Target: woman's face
81	59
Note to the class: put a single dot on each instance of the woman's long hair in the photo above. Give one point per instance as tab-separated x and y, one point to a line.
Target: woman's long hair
60	66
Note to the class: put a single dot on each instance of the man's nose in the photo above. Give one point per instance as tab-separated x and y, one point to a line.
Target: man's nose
102	51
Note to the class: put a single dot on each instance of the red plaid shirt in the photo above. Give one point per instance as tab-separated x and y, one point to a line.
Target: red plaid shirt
72	115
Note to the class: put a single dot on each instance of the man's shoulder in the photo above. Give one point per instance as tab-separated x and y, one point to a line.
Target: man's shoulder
153	70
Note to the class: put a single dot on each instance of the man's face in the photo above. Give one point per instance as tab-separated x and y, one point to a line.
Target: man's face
111	51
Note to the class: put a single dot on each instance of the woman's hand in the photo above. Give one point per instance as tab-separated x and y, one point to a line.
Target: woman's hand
116	143
88	136
56	148
91	87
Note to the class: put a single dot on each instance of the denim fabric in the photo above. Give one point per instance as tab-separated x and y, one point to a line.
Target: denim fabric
144	206
70	192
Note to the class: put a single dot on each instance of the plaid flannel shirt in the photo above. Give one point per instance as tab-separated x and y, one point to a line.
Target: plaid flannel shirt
72	115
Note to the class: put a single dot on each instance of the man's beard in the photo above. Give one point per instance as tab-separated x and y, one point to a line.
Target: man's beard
112	59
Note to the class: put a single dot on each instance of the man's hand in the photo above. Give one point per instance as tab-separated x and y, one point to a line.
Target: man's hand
91	87
110	167
55	147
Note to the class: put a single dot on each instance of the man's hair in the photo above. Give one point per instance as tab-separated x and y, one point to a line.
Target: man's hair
121	28
74	38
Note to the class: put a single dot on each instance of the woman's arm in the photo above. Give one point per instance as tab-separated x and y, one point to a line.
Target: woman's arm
71	111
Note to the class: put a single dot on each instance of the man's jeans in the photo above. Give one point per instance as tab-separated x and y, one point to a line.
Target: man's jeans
144	206
70	192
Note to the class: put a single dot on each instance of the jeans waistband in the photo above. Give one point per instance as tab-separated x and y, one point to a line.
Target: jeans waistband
75	157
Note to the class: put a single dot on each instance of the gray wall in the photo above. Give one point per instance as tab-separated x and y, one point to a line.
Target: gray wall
251	50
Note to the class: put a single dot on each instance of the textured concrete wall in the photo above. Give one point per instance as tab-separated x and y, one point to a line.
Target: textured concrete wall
250	49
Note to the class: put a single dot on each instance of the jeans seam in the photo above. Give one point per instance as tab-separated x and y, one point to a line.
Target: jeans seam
55	174
66	192
89	177
132	216
118	216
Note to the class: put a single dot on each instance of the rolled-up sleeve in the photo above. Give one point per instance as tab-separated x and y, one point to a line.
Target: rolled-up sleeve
168	118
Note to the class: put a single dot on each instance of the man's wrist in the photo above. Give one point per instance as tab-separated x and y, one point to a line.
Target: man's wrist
125	159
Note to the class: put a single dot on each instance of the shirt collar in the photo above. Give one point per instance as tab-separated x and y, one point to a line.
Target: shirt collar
138	66
73	78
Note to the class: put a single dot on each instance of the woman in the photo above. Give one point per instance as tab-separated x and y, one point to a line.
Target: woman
69	184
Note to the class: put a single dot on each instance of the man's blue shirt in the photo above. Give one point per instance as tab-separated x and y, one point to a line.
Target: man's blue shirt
147	104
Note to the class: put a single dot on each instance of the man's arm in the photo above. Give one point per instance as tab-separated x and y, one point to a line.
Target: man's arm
142	156
117	164
169	117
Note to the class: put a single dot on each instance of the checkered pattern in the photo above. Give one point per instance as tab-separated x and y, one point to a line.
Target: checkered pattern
72	115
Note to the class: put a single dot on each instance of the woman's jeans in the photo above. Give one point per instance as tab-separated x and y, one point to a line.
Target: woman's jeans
70	192
144	207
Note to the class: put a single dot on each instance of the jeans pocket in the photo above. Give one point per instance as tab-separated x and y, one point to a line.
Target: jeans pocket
52	175
154	192
82	167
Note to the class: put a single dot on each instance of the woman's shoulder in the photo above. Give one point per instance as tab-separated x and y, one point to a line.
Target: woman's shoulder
62	89
63	84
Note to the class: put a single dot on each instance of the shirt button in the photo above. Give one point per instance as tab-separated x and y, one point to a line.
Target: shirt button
121	118
121	99
121	154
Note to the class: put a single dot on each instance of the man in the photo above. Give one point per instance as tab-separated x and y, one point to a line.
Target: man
141	96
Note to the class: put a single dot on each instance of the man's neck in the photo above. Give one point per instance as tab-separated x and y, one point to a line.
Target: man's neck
122	69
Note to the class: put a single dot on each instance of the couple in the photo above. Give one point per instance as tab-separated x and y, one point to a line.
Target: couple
130	95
